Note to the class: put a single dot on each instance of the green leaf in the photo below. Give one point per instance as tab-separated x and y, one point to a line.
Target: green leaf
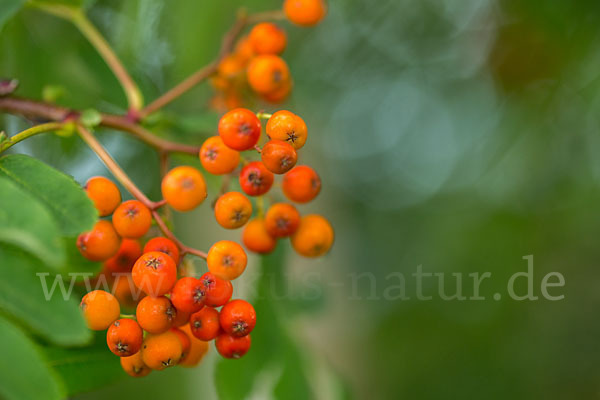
88	368
8	8
23	294
71	3
25	374
26	223
72	209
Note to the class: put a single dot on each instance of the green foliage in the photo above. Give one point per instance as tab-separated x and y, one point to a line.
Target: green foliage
73	210
25	373
8	8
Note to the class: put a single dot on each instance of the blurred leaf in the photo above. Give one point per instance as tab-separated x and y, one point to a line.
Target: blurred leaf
26	223
73	3
22	295
90	117
52	93
8	8
25	374
73	210
87	368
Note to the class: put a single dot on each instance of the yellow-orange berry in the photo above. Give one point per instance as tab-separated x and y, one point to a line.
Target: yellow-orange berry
282	220
301	184
256	238
267	73
186	342
132	219
134	365
232	210
104	193
287	126
278	156
268	38
226	259
162	351
305	12
313	237
100	309
198	349
183	188
155	314
239	129
99	244
154	273
217	158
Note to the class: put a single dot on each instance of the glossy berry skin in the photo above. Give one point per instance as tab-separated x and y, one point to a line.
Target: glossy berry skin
282	220
126	256
132	219
181	318
239	129
217	291
232	210
198	349
237	318
305	12
230	346
267	73
124	337
134	365
164	245
267	38
162	351
314	236
155	314
188	294
217	158
278	156
226	259
104	193
184	188
100	309
99	244
256	238
288	127
154	273
205	324
255	179
301	184
186	342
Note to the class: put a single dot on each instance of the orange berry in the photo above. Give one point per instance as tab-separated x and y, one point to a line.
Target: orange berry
305	12
230	67
282	220
126	256
134	365
124	337
301	184
132	219
287	126
278	156
162	351
154	273
226	259
230	346
188	294
155	314
217	158
183	188
198	349
255	179
126	292
314	236
205	324
267	38
100	309
232	210
99	244
267	73
237	318
164	245
186	342
217	291
256	238
181	318
244	49
104	193
279	95
239	129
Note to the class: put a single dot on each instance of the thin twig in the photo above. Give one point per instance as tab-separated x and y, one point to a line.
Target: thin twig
27	133
167	232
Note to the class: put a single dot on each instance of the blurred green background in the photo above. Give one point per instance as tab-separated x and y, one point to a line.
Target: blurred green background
456	135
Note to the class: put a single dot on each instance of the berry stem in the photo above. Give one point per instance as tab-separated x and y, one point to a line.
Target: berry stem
263	115
27	133
167	232
89	138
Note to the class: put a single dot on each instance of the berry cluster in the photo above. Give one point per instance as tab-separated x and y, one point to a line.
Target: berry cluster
256	62
177	314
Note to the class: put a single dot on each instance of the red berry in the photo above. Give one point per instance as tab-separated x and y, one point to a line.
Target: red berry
205	324
163	245
188	294
256	179
217	291
238	318
239	129
124	337
232	347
